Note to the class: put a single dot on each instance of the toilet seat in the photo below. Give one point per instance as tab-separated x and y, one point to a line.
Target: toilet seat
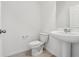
34	44
37	45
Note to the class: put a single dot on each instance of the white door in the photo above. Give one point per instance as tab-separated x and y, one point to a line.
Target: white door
0	47
0	34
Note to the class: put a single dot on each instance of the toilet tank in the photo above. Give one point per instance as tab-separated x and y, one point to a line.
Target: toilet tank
44	37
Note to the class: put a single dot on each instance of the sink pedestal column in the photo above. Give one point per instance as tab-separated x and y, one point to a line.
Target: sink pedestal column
66	49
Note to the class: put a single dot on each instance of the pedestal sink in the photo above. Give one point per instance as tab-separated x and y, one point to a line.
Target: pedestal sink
68	39
71	37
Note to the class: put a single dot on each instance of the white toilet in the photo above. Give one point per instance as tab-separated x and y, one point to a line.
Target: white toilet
38	45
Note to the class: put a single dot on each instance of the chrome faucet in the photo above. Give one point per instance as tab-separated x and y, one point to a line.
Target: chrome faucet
67	30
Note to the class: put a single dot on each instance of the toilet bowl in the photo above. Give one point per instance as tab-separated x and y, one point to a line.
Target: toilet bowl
38	45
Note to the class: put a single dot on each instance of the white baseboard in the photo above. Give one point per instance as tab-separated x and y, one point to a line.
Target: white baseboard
16	52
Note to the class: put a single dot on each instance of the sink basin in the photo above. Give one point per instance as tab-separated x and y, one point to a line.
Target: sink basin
72	37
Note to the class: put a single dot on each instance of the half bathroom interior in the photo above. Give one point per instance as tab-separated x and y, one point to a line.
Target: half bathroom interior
28	27
23	22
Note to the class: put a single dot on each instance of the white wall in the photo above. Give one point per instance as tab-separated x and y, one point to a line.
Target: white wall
48	16
0	34
62	12
48	21
19	18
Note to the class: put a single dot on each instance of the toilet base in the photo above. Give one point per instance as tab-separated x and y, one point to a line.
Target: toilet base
37	54
37	51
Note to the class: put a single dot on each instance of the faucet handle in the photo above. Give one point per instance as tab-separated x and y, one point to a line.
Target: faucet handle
67	30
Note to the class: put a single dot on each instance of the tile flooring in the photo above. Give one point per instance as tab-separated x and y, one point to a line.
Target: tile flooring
28	54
